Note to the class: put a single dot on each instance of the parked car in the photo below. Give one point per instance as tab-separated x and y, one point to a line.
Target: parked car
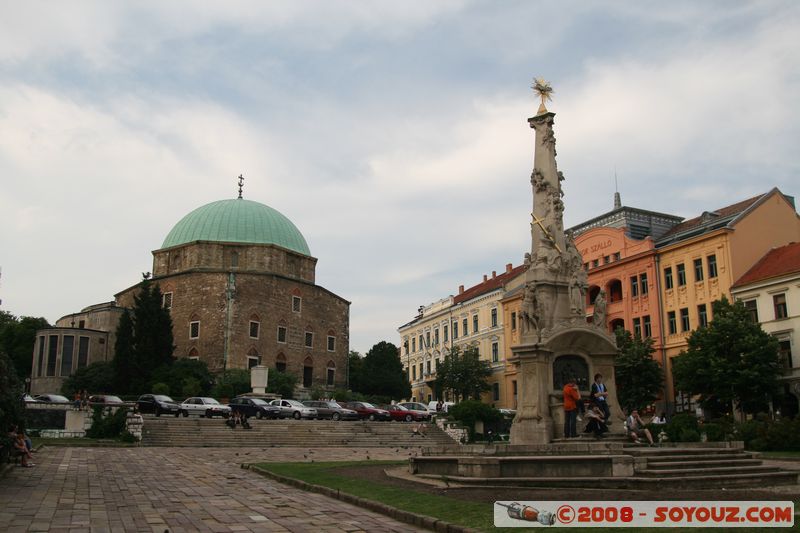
445	406
204	406
368	411
417	406
107	399
331	410
157	404
52	398
27	398
254	407
404	414
294	409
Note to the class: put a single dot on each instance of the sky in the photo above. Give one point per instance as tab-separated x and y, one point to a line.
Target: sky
393	134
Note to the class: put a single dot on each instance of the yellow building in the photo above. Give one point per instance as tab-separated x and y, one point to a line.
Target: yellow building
474	317
699	260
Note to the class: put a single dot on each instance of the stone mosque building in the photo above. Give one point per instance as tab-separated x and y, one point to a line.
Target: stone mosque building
239	280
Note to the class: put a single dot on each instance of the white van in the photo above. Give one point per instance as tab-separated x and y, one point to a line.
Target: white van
445	406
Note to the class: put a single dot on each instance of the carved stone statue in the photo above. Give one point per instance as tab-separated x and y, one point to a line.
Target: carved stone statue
600	310
576	294
530	310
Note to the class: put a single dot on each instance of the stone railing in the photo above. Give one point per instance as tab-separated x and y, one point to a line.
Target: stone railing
133	424
454	430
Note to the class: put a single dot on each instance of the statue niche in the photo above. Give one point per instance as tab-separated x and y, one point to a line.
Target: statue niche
566	366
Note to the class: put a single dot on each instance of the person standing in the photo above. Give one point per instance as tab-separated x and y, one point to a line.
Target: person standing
571	399
599	394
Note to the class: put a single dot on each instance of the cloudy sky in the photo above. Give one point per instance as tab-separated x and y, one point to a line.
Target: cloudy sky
393	134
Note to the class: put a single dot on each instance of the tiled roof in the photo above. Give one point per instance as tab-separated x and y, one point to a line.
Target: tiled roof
489	285
713	219
776	262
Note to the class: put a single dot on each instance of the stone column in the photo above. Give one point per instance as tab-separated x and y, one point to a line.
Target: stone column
532	423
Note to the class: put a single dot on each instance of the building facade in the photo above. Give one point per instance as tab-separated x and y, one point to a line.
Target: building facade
239	281
770	291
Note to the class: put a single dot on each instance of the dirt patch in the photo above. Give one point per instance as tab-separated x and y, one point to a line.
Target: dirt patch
377	474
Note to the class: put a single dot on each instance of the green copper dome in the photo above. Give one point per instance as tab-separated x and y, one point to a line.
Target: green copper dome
237	220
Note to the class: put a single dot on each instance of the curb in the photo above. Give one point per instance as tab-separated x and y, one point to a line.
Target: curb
400	515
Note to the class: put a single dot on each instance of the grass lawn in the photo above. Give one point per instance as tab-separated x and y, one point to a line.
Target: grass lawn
476	515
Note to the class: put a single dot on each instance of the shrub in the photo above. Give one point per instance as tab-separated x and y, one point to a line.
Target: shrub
282	384
107	425
678	424
95	378
714	432
689	435
187	377
191	387
470	411
232	383
160	388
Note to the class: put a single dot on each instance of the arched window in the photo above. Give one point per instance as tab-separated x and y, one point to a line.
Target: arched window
567	366
280	363
308	371
330	376
617	323
614	291
594	290
253	359
194	354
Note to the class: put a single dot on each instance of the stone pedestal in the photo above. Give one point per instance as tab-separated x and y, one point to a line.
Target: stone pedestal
532	423
258	379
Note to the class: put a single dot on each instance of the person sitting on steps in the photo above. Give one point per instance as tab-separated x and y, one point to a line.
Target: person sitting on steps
21	450
595	423
636	429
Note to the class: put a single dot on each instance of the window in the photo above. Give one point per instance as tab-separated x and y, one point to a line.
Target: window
455	330
234	259
167	300
66	355
81	324
309	339
702	315
698	270
681	275
280	363
252	361
495	391
685	319
420	371
464	327
282	334
427	339
330	377
296	304
436	337
413	344
308	372
495	352
785	351
712	266
779	301
254	327
428	367
752	308
606	259
595	263
637	327
52	352
41	356
648	328
194	330
474	323
668	278
643	283
331	343
673	325
634	286
513	321
83	351
414	372
617	256
444	332
494	318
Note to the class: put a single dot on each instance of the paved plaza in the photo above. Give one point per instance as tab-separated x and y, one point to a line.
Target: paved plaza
176	490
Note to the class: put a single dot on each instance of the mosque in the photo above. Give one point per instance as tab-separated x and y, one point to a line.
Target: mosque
239	280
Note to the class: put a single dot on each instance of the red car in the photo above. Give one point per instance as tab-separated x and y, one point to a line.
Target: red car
367	410
404	414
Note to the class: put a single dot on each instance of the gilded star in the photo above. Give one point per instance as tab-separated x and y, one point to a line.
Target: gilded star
544	90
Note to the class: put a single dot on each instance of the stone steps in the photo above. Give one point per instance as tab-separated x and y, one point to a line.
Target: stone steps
705	471
201	432
689	465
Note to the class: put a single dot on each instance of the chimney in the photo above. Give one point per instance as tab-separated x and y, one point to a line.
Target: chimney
485	277
509	267
494	274
460	289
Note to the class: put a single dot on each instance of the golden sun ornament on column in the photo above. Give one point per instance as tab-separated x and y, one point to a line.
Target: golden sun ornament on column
544	90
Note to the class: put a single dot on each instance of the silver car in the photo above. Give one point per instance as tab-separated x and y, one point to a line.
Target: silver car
202	406
294	409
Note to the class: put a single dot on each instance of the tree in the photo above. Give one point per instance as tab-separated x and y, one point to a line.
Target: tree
97	377
17	337
639	377
10	394
464	373
731	361
144	341
185	378
355	370
232	383
382	373
282	383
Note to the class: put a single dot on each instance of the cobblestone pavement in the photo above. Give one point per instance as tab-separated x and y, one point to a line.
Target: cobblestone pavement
177	490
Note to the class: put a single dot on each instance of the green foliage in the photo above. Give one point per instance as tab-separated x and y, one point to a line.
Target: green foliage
638	376
344	395
144	341
17	337
281	383
689	435
11	409
679	424
382	373
107	425
185	375
470	411
318	392
355	370
464	373
127	436
232	383
731	360
763	434
160	388
95	378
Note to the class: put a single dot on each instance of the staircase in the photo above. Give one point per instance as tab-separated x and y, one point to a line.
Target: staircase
704	468
202	432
